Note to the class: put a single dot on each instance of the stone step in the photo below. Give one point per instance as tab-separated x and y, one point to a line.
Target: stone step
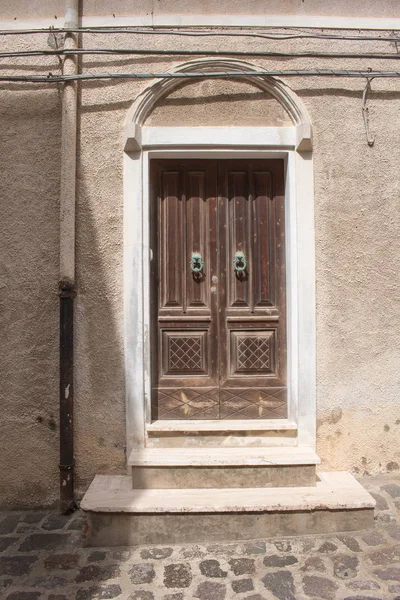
188	468
117	515
225	426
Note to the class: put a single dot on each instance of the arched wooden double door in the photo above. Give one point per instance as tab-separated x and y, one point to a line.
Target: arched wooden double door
218	298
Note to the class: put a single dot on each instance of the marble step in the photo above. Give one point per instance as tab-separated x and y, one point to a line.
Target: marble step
117	515
186	468
221	425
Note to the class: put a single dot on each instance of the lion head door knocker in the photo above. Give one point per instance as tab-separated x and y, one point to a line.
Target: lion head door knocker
197	265
240	265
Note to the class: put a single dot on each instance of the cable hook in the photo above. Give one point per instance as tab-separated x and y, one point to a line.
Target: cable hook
370	138
57	47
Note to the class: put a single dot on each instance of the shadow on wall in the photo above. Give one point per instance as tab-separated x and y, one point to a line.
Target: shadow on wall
29	361
29	240
99	359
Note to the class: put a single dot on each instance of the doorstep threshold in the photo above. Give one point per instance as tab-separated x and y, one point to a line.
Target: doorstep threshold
223	456
334	491
221	425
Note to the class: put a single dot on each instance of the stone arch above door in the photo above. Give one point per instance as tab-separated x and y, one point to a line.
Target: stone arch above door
218	103
287	106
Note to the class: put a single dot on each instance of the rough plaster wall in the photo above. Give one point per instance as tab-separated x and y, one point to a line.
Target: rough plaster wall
357	233
357	253
358	288
100	402
50	8
256	7
33	9
29	184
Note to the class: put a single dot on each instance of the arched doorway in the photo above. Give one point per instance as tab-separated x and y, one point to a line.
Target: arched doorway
286	148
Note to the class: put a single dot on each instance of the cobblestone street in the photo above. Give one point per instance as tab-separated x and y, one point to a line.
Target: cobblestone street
41	558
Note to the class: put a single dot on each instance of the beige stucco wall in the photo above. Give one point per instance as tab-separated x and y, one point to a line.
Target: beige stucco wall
30	128
29	190
357	257
49	8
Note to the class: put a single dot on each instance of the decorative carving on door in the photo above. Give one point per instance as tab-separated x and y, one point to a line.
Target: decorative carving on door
186	353
218	293
253	403
186	403
252	352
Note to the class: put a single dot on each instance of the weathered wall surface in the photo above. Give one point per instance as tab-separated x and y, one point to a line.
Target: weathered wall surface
29	183
357	232
357	256
358	288
50	8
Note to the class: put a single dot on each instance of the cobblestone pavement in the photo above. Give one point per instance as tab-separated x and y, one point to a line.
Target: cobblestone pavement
41	558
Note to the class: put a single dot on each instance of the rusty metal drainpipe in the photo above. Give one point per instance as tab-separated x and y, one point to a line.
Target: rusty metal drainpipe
67	264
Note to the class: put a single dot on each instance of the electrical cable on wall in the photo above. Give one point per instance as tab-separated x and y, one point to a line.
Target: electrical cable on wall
60	53
155	52
252	34
50	78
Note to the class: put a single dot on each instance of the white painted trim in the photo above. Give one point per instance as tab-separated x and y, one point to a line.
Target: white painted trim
278	142
259	21
305	298
134	253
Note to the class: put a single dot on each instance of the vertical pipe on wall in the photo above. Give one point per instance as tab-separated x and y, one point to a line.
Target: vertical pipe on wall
67	263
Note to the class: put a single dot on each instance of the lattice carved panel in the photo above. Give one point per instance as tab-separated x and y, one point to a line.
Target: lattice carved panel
185	353
253	352
253	403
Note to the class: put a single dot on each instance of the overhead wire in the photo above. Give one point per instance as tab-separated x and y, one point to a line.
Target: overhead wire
369	74
50	78
180	32
164	52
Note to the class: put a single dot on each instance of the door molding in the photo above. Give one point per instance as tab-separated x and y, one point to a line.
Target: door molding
144	143
147	100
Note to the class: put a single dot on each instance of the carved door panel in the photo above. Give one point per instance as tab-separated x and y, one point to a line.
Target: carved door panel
218	289
184	306
252	341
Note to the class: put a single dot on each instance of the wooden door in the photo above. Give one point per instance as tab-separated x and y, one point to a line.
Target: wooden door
218	300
